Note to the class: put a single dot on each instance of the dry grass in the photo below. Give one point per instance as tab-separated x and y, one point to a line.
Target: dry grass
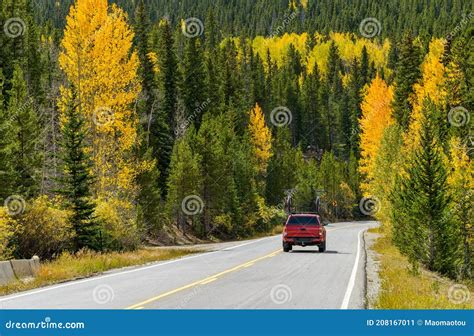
401	289
69	267
273	232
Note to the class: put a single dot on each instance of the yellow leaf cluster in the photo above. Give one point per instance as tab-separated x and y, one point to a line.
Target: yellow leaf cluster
97	59
461	175
376	116
348	44
261	138
431	86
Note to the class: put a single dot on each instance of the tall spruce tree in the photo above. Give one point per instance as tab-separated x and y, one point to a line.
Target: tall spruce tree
193	85
421	203
364	68
356	83
25	129
314	132
7	147
282	174
164	121
185	180
333	94
142	31
407	74
77	180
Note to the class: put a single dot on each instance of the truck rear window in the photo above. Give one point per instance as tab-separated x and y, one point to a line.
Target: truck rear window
303	220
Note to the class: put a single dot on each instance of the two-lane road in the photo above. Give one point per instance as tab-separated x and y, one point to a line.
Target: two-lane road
251	274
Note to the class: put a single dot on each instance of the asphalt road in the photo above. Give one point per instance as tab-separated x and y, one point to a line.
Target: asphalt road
241	275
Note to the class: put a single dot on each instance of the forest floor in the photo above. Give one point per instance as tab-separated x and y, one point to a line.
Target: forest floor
401	288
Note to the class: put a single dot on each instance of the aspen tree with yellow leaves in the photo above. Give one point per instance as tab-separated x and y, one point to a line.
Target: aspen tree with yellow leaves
431	86
376	117
98	60
261	139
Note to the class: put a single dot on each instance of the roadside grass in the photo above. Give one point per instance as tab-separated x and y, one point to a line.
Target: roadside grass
401	289
276	230
84	264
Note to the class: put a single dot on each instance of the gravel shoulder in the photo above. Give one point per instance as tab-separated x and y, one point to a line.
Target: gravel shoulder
372	266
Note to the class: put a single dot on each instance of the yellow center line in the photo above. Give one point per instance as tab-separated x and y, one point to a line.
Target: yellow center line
208	281
202	281
212	277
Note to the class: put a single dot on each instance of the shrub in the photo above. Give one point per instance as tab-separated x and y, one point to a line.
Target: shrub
119	223
43	229
7	225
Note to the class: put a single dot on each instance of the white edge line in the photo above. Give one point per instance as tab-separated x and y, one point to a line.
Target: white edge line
350	285
138	269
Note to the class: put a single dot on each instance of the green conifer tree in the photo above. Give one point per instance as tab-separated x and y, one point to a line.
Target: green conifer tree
77	180
407	74
25	130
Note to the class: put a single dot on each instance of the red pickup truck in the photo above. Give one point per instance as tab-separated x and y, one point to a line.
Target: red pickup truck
304	230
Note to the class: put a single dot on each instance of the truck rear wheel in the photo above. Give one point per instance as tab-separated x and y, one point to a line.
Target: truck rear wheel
322	247
286	247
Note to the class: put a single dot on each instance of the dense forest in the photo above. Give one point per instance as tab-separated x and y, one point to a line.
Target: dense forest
119	122
429	18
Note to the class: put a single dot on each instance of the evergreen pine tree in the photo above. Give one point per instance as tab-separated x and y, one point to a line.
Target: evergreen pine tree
193	86
314	132
163	123
364	68
77	181
213	142
7	147
142	29
282	173
422	202
185	180
25	129
355	86
407	74
334	90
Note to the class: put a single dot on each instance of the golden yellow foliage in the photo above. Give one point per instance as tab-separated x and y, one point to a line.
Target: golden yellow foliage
261	138
7	225
376	116
98	61
44	228
119	222
431	86
348	44
460	176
